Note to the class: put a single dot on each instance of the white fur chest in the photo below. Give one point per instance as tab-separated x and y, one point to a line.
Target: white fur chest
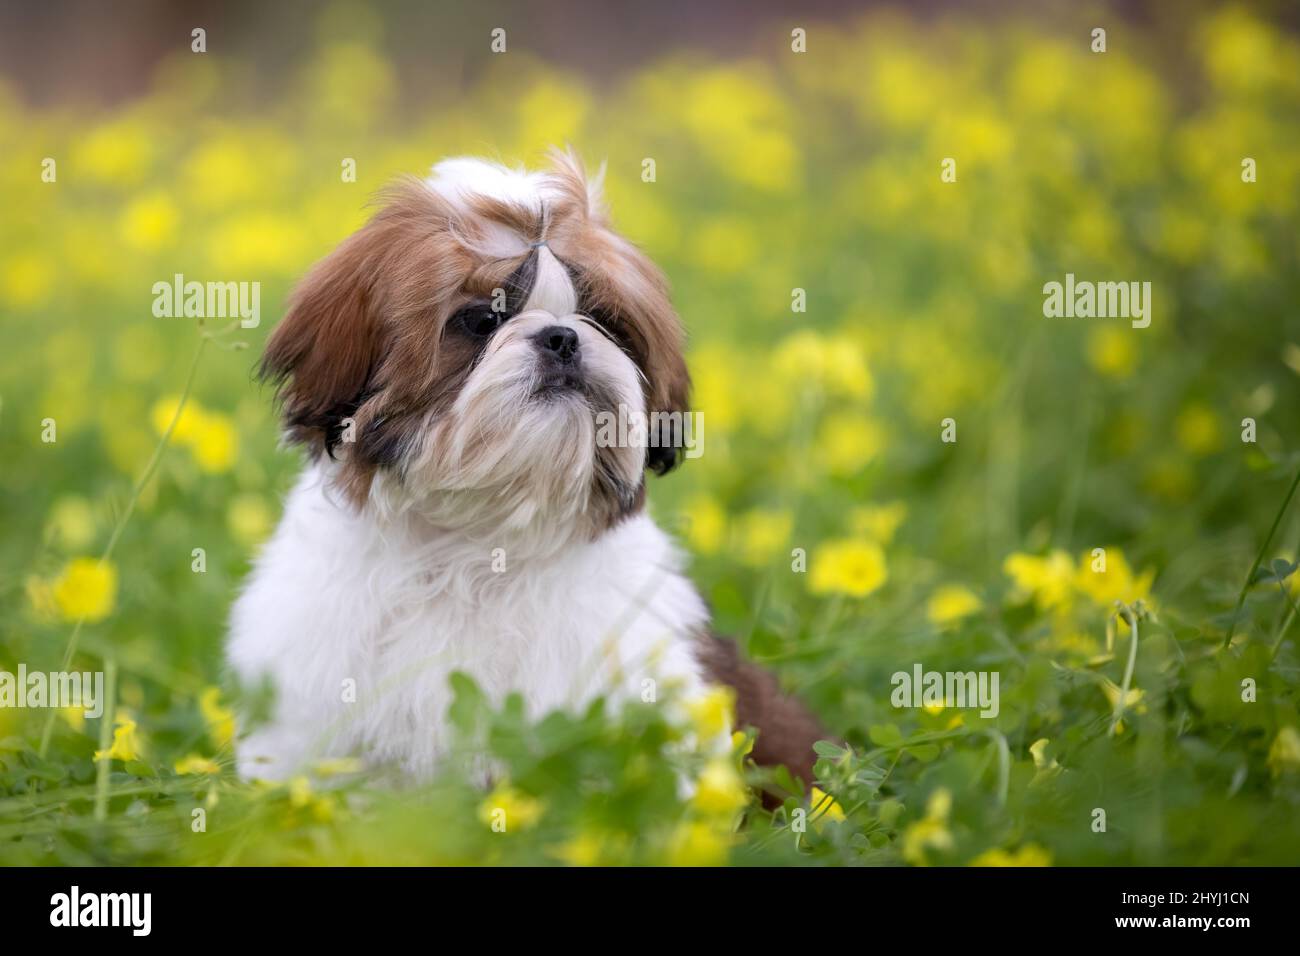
358	622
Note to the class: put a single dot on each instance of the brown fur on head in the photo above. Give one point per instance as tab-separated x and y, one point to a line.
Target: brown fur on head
381	363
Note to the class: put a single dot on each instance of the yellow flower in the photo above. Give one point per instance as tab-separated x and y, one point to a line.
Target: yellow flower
1046	580
300	792
899	86
125	745
1112	692
221	171
215	443
930	832
739	118
720	791
1240	51
194	763
220	720
86	588
164	410
1112	351
1198	430
591	849
838	364
301	796
717	384
1284	755
117	152
25	281
210	436
1038	750
257	243
855	568
148	222
761	534
950	603
844	369
742	744
847	443
697	843
514	808
713	712
824	806
706	524
1031	854
550	111
1116	583
1038	80
1132	701
878	523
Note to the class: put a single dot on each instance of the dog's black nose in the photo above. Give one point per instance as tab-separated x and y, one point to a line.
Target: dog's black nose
560	340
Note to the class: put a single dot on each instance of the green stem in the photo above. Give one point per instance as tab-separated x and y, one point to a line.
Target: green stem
1131	617
1004	765
144	479
1290	616
106	740
1250	575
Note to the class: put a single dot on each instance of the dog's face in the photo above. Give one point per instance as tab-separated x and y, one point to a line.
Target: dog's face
452	356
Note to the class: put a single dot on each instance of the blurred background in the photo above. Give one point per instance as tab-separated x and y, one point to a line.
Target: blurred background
775	171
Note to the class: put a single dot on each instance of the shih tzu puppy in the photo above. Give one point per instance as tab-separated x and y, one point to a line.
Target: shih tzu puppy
446	368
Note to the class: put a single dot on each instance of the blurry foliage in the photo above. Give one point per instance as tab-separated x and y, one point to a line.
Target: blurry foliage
816	171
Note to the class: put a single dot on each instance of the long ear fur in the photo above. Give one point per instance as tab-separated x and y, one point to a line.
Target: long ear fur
322	353
326	356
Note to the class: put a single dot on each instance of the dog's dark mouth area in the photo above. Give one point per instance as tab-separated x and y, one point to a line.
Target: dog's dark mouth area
558	382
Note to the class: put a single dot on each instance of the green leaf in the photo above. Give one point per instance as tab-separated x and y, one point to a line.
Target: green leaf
468	703
785	781
825	748
889	811
885	735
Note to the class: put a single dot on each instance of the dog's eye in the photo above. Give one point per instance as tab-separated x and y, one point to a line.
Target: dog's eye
608	324
478	320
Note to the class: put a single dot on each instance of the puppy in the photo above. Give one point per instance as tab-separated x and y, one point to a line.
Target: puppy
445	369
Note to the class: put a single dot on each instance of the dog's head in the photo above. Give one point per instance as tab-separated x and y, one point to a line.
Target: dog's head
456	353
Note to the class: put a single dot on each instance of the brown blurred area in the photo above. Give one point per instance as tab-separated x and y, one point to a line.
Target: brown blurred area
104	52
101	53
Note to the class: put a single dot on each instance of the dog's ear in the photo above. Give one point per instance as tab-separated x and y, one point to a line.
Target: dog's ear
672	393
662	343
322	353
325	355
